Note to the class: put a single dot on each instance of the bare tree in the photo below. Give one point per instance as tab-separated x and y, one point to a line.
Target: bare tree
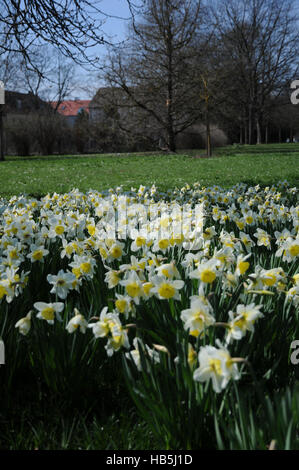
73	26
156	70
259	44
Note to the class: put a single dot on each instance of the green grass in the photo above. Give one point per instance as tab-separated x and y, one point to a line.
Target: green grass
261	164
54	431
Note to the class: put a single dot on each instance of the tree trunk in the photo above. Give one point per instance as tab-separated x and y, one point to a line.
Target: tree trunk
279	135
258	132
245	133
171	139
241	135
250	126
267	134
169	104
208	134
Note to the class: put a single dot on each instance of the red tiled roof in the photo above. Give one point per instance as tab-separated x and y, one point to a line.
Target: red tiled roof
71	107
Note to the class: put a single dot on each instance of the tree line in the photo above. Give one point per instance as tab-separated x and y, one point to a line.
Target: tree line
183	62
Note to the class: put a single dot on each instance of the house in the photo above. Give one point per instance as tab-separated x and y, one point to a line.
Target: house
71	108
22	111
20	104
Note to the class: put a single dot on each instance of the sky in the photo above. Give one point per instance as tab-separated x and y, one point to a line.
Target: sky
114	29
117	8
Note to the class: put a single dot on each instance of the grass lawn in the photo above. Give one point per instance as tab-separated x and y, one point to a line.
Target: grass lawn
38	175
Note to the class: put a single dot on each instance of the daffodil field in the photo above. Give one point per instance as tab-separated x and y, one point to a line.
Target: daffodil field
186	300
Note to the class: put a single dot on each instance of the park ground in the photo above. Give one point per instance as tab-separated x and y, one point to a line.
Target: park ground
260	164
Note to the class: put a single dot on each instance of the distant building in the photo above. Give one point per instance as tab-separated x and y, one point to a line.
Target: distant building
23	103
21	113
71	108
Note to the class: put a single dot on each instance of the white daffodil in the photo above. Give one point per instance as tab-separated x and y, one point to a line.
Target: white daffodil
169	270
133	286
57	228
37	253
6	290
116	250
271	277
48	311
24	324
162	244
140	240
293	295
263	238
216	365
101	328
62	283
83	266
206	271
197	317
242	265
136	264
78	321
166	289
110	326
124	304
112	277
246	240
226	257
289	249
118	339
134	354
209	233
243	320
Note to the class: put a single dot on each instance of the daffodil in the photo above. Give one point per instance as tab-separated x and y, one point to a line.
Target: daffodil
216	365
243	320
124	304
133	286
62	283
24	324
116	250
134	354
83	266
48	311
242	265
197	318
102	327
165	288
263	238
206	271
289	249
78	321
117	339
246	241
169	271
112	277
